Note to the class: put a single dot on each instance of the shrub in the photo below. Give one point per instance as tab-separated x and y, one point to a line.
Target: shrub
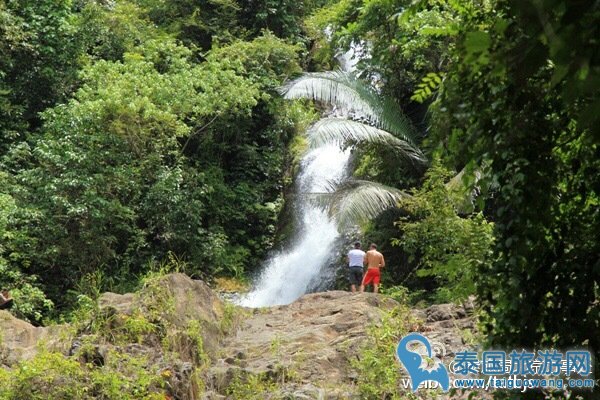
376	366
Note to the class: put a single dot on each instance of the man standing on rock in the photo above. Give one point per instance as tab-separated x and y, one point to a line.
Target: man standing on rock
356	260
374	260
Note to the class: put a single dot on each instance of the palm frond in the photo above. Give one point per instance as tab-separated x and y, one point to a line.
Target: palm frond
345	90
356	201
341	131
392	119
338	88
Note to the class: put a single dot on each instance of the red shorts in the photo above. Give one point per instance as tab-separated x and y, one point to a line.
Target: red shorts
371	275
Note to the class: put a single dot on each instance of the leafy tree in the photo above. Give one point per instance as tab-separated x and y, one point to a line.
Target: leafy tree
40	59
282	17
108	31
446	246
398	52
266	60
101	166
30	302
198	24
154	155
371	119
12	36
521	95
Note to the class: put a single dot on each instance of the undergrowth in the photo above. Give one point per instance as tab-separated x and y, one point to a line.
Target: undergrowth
378	370
253	387
133	355
51	375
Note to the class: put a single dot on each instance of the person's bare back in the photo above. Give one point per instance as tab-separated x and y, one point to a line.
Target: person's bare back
374	259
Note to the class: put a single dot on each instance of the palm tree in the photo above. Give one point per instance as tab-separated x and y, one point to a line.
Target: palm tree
354	201
367	117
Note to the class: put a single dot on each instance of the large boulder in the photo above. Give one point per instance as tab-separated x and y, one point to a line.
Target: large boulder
177	300
20	340
312	340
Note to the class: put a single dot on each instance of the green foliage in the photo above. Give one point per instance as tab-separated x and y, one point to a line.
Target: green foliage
447	246
354	201
39	56
402	50
108	31
282	17
30	303
208	23
253	387
425	89
138	131
408	46
228	320
198	24
126	138
194	333
346	90
377	368
49	375
127	377
53	376
266	60
404	295
116	373
109	164
381	125
516	98
520	96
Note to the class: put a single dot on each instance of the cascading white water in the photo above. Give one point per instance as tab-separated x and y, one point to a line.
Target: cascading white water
288	274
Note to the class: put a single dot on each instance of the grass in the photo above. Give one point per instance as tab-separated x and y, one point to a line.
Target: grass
106	366
377	368
230	285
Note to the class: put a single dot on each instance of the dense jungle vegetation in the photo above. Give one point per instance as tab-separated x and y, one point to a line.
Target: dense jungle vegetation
134	131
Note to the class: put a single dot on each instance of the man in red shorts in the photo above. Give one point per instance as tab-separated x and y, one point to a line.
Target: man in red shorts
374	261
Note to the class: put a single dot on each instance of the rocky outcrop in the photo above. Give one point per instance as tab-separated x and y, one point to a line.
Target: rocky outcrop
304	349
19	340
176	300
311	340
308	345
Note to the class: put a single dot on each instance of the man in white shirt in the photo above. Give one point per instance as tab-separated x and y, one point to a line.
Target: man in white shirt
356	260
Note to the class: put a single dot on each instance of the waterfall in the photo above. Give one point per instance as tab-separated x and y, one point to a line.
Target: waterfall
303	264
289	274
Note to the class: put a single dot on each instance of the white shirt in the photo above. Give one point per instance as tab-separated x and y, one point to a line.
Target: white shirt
356	257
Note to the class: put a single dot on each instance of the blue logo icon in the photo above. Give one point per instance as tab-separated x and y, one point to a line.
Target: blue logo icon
412	363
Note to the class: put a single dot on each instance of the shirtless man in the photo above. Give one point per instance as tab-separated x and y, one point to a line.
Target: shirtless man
374	260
